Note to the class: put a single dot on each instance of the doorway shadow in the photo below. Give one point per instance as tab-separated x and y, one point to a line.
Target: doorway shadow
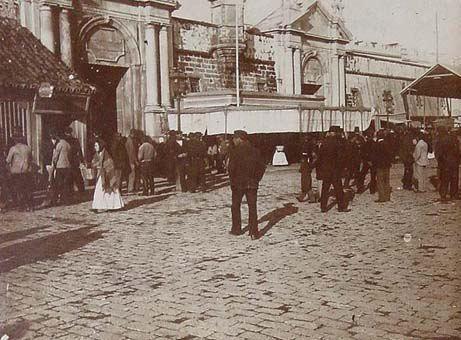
49	247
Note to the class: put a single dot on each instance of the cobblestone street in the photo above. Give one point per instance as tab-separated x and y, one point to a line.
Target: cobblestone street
166	268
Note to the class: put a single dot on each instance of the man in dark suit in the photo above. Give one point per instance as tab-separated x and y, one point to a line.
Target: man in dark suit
246	169
448	162
382	157
330	169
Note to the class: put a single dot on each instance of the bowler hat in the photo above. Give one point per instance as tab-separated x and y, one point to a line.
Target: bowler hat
335	128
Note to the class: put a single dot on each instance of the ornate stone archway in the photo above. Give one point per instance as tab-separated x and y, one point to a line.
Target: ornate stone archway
109	58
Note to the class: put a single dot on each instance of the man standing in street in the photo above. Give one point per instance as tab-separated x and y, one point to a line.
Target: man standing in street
421	161
19	161
382	157
246	169
76	158
367	165
131	146
146	156
329	170
61	167
448	162
406	156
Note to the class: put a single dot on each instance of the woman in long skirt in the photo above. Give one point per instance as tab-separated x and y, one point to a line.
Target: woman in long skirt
107	193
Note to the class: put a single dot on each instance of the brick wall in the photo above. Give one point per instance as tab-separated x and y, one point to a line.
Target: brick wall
196	57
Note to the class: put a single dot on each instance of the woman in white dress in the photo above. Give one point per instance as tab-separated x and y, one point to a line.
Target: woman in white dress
107	193
279	158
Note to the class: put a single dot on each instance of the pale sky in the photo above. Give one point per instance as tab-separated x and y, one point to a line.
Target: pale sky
409	22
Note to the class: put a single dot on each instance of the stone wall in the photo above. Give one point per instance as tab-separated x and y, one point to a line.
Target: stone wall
9	9
196	55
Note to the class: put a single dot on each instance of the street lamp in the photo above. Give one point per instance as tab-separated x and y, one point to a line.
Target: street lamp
179	90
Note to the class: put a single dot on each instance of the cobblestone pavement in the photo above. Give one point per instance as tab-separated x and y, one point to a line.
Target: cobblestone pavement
166	268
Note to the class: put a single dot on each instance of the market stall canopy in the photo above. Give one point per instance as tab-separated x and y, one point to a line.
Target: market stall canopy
439	81
28	66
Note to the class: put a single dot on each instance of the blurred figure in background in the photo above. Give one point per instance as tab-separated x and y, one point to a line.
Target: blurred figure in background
146	157
19	162
420	163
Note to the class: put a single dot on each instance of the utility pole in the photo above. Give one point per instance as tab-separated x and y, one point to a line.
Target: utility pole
237	69
437	37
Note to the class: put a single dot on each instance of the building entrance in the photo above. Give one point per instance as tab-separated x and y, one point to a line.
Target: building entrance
104	106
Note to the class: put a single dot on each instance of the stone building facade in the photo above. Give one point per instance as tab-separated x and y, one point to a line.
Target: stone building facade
141	58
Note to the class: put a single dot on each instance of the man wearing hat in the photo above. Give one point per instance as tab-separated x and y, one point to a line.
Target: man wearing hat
132	147
76	158
246	169
196	153
19	162
329	170
61	167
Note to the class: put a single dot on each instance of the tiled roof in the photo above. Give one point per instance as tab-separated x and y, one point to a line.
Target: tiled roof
25	63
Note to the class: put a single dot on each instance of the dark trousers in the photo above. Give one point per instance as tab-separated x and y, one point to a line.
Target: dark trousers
77	179
449	177
339	193
63	184
23	187
133	179
180	172
147	177
251	197
353	173
193	175
361	181
383	184
407	179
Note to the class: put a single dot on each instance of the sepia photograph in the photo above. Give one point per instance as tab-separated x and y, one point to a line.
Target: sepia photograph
230	169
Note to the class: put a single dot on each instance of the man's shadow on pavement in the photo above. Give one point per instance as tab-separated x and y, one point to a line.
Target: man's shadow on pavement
275	216
148	200
49	247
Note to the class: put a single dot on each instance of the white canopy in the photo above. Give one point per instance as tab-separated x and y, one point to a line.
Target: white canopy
270	120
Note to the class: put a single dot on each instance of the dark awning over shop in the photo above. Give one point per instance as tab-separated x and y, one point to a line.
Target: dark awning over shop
439	81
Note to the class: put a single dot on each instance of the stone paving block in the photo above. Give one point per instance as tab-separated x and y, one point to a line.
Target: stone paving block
255	336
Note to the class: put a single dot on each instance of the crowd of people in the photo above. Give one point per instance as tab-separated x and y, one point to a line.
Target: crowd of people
135	160
344	161
341	162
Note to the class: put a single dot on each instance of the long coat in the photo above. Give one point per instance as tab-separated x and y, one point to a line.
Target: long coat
329	164
246	166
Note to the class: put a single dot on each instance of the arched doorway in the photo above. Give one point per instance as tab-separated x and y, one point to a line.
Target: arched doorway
110	61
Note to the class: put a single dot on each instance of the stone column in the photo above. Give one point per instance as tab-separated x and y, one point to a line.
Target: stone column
297	70
288	72
342	80
335	85
46	27
164	66
152	66
25	14
65	36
